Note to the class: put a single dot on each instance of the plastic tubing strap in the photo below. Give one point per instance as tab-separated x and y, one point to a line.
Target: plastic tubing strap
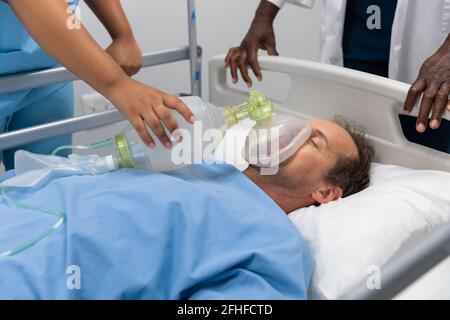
34	240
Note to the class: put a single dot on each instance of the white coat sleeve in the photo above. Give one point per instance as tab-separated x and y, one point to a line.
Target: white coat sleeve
303	3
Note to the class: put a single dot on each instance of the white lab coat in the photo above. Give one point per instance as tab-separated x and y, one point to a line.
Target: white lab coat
420	27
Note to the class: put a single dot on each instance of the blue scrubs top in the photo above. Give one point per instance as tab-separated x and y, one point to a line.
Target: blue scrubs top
18	51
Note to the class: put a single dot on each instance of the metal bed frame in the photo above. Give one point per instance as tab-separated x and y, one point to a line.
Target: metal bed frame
406	268
30	80
397	274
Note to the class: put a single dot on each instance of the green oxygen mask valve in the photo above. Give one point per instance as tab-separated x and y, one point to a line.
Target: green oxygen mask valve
258	108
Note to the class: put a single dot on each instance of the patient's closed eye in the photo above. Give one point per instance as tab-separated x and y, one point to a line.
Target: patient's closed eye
313	143
319	139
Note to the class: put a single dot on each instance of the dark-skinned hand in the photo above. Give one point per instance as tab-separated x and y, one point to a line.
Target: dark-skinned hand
260	36
434	82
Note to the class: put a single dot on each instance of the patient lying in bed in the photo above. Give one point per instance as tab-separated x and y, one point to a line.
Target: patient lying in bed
334	163
201	232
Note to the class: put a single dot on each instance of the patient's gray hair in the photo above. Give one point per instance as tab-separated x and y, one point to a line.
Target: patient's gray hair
352	174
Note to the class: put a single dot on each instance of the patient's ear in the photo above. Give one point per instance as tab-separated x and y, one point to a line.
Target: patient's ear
327	194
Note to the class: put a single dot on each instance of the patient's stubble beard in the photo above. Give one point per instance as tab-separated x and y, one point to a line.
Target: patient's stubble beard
282	179
285	189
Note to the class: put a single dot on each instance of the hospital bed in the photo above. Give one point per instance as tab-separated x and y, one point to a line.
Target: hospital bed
322	91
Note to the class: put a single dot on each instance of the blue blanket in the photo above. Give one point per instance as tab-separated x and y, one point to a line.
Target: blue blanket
202	232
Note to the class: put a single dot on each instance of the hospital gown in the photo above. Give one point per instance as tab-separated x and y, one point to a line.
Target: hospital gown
201	232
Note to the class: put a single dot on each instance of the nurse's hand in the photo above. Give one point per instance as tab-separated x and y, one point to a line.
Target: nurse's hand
126	52
46	21
260	36
143	104
434	82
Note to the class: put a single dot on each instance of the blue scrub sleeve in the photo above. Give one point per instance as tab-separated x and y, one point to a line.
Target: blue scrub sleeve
47	108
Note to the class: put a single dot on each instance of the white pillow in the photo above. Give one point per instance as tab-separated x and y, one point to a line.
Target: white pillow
350	236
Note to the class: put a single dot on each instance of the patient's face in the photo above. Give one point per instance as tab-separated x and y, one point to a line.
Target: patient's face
307	168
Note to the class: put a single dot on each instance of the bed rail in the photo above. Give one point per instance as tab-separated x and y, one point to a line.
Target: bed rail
46	77
320	90
399	273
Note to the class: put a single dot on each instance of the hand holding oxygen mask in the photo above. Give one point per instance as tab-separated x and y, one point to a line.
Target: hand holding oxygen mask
272	140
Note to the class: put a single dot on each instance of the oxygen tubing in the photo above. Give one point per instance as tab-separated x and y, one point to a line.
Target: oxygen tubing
9	201
19	204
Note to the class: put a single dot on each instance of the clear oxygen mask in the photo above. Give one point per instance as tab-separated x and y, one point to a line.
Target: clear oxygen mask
275	140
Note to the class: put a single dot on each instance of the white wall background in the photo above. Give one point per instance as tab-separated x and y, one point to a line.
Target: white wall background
162	24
